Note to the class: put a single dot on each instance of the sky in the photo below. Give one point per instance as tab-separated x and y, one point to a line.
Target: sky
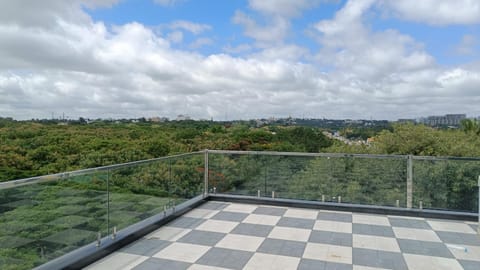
239	59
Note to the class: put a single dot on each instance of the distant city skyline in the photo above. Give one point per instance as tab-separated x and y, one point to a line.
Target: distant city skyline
429	120
239	59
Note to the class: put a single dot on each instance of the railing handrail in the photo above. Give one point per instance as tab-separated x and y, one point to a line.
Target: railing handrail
304	154
274	153
64	175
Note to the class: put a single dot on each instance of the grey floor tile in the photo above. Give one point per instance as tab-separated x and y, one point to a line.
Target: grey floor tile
300	223
146	247
252	229
307	264
202	238
469	265
282	247
230	216
186	222
213	205
376	230
424	248
272	211
162	264
331	238
459	238
474	227
409	223
335	216
227	258
377	258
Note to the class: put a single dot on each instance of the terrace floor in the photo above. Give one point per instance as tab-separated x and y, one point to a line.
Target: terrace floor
222	235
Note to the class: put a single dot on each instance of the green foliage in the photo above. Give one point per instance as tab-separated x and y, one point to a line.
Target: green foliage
470	126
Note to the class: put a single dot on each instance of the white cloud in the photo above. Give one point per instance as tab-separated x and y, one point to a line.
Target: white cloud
192	27
274	32
276	15
349	45
175	36
290	53
284	8
435	12
83	68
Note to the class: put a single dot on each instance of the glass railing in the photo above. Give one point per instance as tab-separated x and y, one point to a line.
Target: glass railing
444	183
43	218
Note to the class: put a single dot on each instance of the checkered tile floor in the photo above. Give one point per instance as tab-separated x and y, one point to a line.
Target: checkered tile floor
220	235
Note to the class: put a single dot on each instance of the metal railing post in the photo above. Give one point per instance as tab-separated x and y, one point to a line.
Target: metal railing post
205	176
409	181
478	229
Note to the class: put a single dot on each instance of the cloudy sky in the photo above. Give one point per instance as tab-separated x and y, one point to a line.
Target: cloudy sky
239	59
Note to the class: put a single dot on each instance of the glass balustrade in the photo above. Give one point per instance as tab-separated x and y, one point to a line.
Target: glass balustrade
43	218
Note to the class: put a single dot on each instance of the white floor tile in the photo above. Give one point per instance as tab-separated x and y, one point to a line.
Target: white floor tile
375	242
333	226
330	253
447	226
428	262
300	213
240	242
118	260
168	233
261	219
290	234
464	252
271	262
370	219
182	252
217	226
416	234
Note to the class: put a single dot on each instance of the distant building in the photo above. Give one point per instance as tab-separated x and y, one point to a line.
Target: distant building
182	117
406	121
445	120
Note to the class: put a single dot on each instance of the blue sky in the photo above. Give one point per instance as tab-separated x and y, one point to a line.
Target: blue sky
357	59
439	40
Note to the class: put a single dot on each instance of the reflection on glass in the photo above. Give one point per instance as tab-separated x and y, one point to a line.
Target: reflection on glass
40	222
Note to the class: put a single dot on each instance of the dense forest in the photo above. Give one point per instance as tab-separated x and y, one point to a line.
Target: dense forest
32	148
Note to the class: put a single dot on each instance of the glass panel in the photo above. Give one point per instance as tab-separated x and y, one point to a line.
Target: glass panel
40	222
143	190
359	180
237	174
446	184
372	180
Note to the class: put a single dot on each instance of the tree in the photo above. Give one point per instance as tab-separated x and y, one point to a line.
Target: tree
470	126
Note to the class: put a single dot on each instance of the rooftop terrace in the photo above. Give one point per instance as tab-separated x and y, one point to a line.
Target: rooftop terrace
223	235
247	210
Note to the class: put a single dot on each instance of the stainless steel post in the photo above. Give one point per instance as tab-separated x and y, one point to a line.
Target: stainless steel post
205	176
409	181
